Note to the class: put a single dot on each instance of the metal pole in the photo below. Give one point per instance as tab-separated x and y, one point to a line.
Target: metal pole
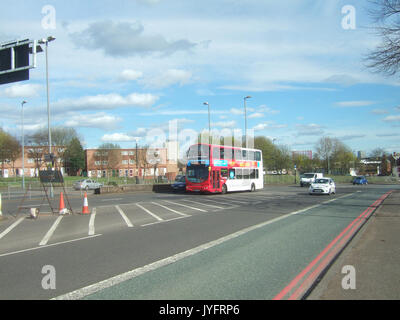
245	118
48	99
209	124
23	147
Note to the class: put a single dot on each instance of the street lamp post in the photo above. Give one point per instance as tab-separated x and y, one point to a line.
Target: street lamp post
23	147
245	118
209	121
46	42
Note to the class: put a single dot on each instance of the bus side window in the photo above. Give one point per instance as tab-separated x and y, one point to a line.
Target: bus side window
228	153
253	173
232	174
221	151
224	173
239	173
257	156
251	155
256	173
215	153
246	173
238	154
244	154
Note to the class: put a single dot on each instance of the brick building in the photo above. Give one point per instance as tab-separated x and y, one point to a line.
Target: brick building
142	163
34	160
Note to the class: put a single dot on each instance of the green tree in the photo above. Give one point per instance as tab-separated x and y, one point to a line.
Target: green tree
334	154
282	157
268	150
10	150
74	157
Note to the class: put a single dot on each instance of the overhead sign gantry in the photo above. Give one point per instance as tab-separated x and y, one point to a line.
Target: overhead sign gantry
16	58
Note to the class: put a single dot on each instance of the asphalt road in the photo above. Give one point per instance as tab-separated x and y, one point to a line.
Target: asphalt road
175	246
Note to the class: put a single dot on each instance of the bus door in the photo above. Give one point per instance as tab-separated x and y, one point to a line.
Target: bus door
216	179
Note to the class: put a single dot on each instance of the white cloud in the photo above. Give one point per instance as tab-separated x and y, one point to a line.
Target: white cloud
99	120
264	108
169	78
260	127
379	111
309	129
351	137
118	137
346	104
255	115
392	118
107	101
385	135
237	111
22	91
124	39
130	75
224	124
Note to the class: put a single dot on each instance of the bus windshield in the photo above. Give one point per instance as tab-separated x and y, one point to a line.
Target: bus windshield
197	173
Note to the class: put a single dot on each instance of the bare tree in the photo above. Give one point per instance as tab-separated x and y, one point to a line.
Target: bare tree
386	57
109	156
324	148
37	154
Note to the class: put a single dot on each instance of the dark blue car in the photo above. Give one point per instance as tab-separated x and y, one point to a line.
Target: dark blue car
179	184
360	180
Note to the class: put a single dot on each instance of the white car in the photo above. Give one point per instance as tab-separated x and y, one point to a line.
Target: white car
307	179
322	186
87	184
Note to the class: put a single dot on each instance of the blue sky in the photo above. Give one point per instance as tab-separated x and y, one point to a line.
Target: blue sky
121	70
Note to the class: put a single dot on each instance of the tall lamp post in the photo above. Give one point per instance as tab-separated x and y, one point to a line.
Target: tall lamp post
209	122
23	147
245	117
46	42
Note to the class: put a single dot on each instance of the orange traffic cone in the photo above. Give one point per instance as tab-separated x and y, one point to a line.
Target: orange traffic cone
62	209
85	209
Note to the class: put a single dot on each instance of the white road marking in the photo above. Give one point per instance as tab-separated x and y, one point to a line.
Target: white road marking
172	210
11	227
149	212
91	222
184	205
47	245
91	289
49	233
157	222
116	199
204	204
123	215
228	204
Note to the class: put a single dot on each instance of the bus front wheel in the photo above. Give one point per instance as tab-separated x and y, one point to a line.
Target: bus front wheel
224	189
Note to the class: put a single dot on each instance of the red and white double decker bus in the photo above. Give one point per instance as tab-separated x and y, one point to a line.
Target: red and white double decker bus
214	168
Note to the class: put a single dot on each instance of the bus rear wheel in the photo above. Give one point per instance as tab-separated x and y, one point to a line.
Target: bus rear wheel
253	187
